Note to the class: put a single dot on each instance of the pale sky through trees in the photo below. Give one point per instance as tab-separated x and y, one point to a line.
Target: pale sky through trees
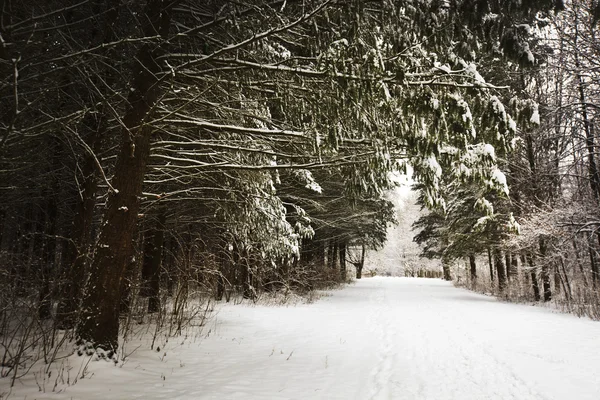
400	247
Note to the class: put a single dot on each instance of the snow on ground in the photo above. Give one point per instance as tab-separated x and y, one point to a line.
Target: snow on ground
381	338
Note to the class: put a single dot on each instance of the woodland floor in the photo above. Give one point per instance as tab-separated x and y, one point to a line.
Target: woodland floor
381	338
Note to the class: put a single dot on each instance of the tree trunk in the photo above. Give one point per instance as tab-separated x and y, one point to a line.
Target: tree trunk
168	264
545	272
342	248
153	251
446	269
491	264
509	272
565	281
534	281
514	264
580	263
48	260
593	176
557	280
473	270
332	254
99	322
225	265
319	249
249	288
361	264
500	269
310	251
594	265
77	250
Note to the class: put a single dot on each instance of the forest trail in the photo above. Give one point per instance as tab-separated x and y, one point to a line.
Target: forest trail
381	338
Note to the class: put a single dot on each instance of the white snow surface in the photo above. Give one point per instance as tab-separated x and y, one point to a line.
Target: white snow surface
381	338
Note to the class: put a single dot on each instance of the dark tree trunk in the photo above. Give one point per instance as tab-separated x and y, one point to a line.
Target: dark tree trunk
509	272
311	251
153	254
168	263
546	284
524	271
557	280
446	270
473	265
99	321
220	287
359	271
534	280
332	254
564	279
545	272
514	264
9	108
342	247
580	263
361	263
224	261
24	248
131	276
249	291
594	177
594	265
320	253
491	264
48	259
500	269
77	250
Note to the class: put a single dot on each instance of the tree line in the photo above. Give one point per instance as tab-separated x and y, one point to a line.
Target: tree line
539	242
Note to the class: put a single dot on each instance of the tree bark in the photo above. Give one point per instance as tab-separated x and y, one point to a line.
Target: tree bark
48	260
514	264
361	264
473	270
446	269
580	263
99	322
564	279
491	264
500	269
534	281
342	248
76	254
249	288
594	265
593	176
332	254
153	251
545	272
77	250
509	272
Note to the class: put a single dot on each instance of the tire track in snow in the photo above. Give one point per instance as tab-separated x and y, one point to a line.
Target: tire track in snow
384	333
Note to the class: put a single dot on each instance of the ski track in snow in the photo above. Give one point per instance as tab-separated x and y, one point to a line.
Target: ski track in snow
381	338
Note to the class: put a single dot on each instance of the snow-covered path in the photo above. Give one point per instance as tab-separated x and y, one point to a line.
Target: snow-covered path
381	338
